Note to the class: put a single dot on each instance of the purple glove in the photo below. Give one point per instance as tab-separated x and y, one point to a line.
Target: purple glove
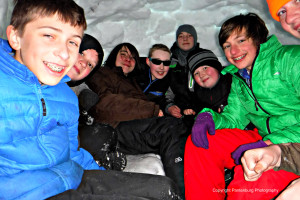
237	154
203	123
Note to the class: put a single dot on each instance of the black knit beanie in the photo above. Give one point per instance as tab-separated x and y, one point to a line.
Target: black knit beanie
89	42
189	29
200	57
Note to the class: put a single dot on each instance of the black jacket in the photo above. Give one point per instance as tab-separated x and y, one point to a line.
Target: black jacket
213	98
154	90
179	92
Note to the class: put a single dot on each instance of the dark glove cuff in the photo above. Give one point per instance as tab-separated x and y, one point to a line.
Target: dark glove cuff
203	116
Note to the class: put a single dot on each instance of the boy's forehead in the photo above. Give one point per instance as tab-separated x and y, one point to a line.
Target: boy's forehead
160	51
56	23
238	32
124	49
184	33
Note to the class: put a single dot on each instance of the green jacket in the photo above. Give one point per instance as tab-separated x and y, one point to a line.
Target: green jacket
272	102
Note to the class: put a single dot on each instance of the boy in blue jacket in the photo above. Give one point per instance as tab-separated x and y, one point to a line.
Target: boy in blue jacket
39	154
39	112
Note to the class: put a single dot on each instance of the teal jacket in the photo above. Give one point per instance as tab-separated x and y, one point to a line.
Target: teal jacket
272	102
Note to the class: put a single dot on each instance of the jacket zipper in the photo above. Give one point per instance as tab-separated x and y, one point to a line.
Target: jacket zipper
45	150
44	107
255	99
150	78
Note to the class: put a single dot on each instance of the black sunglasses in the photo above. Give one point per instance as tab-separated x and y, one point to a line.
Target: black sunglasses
158	62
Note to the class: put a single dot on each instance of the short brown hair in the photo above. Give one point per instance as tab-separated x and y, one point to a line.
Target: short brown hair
158	47
27	10
254	26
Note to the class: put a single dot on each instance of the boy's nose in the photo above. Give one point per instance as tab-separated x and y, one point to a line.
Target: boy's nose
63	52
233	49
161	66
202	74
290	16
127	58
83	63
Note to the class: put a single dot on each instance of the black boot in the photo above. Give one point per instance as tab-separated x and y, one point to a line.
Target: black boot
113	160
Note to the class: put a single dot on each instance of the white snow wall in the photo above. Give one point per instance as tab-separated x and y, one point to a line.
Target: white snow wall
146	22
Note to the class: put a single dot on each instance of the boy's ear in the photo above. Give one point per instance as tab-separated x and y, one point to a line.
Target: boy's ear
13	37
148	61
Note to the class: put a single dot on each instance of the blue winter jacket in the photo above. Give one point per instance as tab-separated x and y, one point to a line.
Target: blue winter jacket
39	155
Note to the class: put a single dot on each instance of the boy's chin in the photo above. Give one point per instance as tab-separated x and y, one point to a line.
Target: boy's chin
50	82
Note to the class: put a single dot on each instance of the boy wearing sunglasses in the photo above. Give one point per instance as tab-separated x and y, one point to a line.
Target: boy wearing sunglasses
154	79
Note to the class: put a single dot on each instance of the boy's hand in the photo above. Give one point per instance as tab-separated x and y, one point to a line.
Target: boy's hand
189	112
257	161
291	192
160	113
175	111
236	155
204	123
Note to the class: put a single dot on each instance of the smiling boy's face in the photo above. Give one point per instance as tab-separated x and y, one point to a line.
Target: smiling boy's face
48	47
159	71
240	50
289	16
85	64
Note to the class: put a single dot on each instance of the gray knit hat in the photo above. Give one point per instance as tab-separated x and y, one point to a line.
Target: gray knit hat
189	29
200	57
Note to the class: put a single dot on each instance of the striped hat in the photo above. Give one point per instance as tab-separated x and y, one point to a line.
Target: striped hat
200	57
274	6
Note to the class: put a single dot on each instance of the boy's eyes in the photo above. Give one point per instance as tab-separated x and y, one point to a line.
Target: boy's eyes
90	65
226	46
125	55
73	43
204	68
281	12
181	36
48	35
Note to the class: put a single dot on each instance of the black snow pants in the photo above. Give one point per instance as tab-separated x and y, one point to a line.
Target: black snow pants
97	139
118	185
165	136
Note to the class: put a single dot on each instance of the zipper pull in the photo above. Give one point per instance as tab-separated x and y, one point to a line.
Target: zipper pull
256	105
44	107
